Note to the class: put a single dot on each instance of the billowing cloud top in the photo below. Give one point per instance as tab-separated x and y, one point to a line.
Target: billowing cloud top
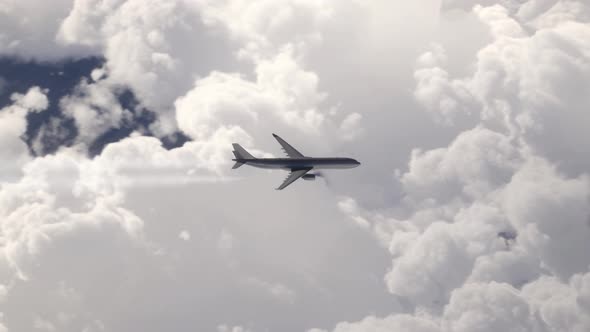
470	212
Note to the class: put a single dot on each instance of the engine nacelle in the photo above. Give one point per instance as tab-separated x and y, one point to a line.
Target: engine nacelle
309	177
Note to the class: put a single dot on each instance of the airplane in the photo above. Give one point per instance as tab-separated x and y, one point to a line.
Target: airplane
298	164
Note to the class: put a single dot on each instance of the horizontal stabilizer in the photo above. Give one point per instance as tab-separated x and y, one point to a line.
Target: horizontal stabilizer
237	165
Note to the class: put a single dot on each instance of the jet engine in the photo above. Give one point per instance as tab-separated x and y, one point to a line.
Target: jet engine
309	177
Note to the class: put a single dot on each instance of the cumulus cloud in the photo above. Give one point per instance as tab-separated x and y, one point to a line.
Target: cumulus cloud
67	210
486	307
264	26
448	256
525	83
150	47
469	235
184	235
156	49
30	217
13	124
282	91
552	213
95	109
393	323
29	29
476	162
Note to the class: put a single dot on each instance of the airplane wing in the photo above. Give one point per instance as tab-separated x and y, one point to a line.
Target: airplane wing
289	150
294	175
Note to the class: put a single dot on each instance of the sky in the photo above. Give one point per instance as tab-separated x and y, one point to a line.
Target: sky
119	210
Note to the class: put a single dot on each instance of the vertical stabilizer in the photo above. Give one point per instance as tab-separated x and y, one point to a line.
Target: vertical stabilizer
241	153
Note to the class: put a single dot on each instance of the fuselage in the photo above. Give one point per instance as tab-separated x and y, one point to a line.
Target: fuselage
300	163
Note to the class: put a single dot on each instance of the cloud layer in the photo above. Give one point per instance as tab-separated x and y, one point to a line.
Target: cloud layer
471	211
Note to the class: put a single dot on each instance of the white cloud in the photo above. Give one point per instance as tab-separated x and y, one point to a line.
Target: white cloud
152	46
525	83
29	28
393	323
351	127
83	23
477	161
13	150
489	307
560	12
149	46
436	92
34	214
469	4
227	328
263	27
34	100
98	238
184	235
551	215
562	306
282	91
351	208
516	171
95	109
68	211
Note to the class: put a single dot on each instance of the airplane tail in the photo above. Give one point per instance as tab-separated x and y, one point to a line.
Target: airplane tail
240	153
